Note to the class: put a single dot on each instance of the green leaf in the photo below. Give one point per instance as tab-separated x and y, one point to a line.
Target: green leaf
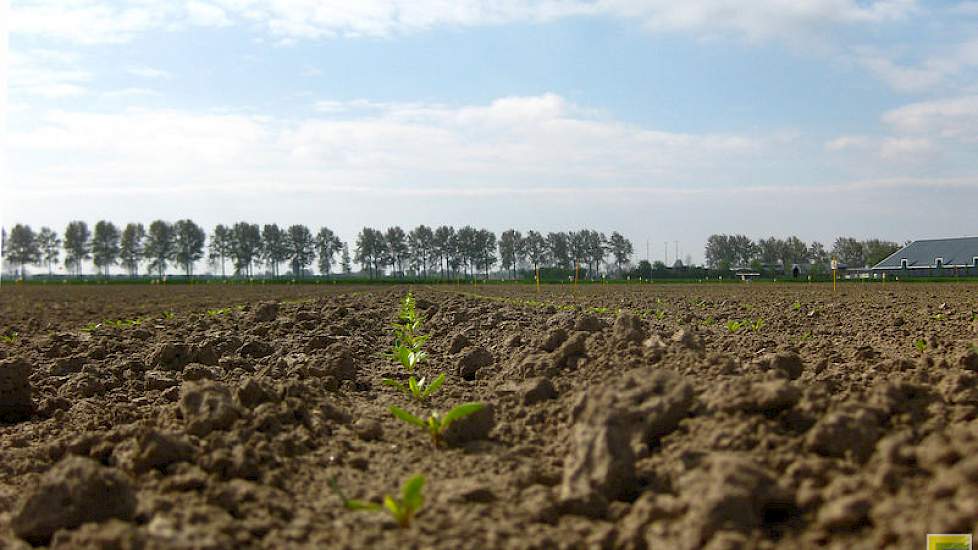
433	387
407	417
413	384
461	411
411	493
361	505
395	509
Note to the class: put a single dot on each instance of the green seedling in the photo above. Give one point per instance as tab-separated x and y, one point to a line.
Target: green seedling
407	342
168	315
91	327
401	509
938	317
660	314
734	326
600	310
806	336
756	325
920	344
709	321
419	389
9	338
436	424
218	311
796	306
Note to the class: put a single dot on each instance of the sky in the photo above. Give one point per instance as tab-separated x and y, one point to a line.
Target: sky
667	121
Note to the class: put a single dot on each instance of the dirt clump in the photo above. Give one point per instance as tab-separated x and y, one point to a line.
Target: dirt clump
15	390
76	491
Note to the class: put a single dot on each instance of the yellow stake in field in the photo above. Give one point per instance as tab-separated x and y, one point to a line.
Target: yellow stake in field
538	279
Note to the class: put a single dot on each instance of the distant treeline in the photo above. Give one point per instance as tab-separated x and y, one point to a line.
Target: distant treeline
724	252
442	252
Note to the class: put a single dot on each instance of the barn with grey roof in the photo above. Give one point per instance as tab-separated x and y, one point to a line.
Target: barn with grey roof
934	256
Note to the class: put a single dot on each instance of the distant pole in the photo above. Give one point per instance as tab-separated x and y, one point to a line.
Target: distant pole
665	252
648	257
538	279
835	267
677	250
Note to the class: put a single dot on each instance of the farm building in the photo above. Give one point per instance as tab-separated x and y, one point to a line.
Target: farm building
955	256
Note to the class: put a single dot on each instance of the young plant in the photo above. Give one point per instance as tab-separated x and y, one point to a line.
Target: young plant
756	325
91	327
660	314
401	509
407	342
734	326
9	338
796	306
920	344
419	389
168	315
436	424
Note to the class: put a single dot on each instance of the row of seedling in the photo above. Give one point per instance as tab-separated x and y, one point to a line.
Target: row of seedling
408	352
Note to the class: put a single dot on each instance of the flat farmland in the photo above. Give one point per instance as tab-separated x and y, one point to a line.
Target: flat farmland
615	416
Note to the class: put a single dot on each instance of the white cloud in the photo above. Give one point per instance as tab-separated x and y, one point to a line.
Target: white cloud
206	15
905	148
541	140
148	72
920	75
96	21
46	73
842	143
953	118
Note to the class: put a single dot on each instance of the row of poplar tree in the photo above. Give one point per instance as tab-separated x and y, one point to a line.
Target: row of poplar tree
423	251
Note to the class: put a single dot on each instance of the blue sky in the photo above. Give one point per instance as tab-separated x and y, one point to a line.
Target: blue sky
664	120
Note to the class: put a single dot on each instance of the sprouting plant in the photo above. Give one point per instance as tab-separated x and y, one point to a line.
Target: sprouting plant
218	311
709	321
806	336
123	323
419	389
938	317
796	306
168	315
600	310
407	342
756	325
734	325
91	327
401	509
436	424
660	314
920	344
9	338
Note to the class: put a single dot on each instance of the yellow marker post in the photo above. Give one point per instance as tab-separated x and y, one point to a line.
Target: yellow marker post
538	280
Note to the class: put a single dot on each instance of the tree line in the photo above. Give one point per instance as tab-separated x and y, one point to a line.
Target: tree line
725	252
443	252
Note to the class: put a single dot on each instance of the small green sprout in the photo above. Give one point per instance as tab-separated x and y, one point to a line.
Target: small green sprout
407	342
168	315
419	389
91	327
938	317
436	424
9	338
734	326
709	321
660	314
218	311
806	336
796	306
600	310
756	325
920	344
402	510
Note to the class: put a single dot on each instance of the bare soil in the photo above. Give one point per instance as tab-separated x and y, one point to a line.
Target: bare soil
652	416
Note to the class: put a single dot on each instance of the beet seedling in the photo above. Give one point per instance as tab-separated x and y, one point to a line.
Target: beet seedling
920	344
437	424
9	338
419	389
734	326
401	509
407	342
